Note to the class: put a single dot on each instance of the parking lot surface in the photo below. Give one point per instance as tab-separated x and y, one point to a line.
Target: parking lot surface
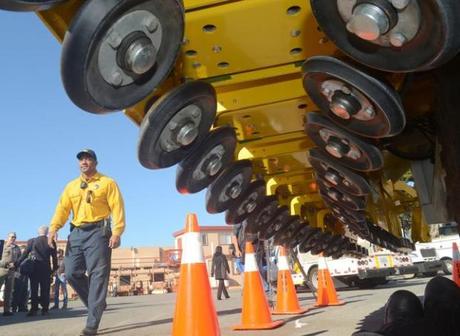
152	315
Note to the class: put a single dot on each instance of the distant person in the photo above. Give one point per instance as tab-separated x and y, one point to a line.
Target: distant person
60	282
10	256
92	198
219	270
21	289
41	275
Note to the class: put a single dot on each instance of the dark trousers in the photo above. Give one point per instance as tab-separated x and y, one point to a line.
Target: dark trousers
40	278
88	251
20	294
221	288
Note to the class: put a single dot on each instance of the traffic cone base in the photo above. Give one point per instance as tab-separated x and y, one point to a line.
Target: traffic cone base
326	296
286	297
255	314
259	326
195	314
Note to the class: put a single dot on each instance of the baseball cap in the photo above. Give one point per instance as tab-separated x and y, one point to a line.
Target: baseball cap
87	151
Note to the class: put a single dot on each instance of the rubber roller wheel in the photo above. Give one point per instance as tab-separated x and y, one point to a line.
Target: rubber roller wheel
309	241
29	5
284	236
207	161
277	223
176	124
434	24
247	204
348	201
226	189
260	220
337	175
116	52
353	99
341	145
300	235
317	243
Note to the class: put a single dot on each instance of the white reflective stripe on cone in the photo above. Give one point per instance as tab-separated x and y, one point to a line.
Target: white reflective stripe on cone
192	251
322	263
250	264
283	264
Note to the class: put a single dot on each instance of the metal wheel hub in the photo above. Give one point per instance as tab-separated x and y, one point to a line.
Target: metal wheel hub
383	22
234	190
249	205
339	147
335	195
129	49
211	164
347	102
182	129
332	177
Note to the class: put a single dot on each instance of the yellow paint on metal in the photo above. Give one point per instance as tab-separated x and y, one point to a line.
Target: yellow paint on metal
420	232
239	36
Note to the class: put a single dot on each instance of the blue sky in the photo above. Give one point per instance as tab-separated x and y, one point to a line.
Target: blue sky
41	131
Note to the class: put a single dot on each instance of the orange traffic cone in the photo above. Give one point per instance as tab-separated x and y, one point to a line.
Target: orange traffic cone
455	264
326	296
195	314
286	297
256	313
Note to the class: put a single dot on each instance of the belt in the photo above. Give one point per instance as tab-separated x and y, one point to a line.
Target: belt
87	226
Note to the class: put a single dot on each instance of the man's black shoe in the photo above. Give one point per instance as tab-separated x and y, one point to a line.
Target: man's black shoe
45	312
54	307
88	332
8	314
23	310
403	306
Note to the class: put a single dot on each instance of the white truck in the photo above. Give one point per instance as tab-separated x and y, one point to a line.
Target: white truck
364	272
440	247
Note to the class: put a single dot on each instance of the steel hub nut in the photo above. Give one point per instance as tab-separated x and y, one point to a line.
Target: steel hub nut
337	148
140	56
368	22
344	105
234	190
332	177
214	165
187	134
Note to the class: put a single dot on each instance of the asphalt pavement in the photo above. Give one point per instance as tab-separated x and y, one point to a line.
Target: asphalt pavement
152	315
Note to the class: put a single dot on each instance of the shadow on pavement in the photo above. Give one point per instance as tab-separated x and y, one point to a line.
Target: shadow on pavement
54	314
316	333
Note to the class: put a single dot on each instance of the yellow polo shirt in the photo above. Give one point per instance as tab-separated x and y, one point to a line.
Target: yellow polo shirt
100	199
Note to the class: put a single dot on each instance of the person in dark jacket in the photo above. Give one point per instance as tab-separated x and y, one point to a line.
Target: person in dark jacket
219	270
41	276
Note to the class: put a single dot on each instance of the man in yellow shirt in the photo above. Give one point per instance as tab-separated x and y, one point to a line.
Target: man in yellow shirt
95	201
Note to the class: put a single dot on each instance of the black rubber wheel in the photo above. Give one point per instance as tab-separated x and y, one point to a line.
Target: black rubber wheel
207	161
386	117
226	189
278	222
346	200
414	143
347	149
302	232
163	141
307	244
260	220
29	5
284	236
247	204
106	65
341	177
436	41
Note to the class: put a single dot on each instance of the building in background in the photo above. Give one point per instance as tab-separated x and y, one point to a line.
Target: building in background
212	236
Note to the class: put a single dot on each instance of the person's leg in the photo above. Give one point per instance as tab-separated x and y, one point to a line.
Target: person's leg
45	284
219	289
75	265
97	256
16	294
57	284
64	293
225	290
33	294
24	297
8	294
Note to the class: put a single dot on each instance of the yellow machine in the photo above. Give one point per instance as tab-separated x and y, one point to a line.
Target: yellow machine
308	120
